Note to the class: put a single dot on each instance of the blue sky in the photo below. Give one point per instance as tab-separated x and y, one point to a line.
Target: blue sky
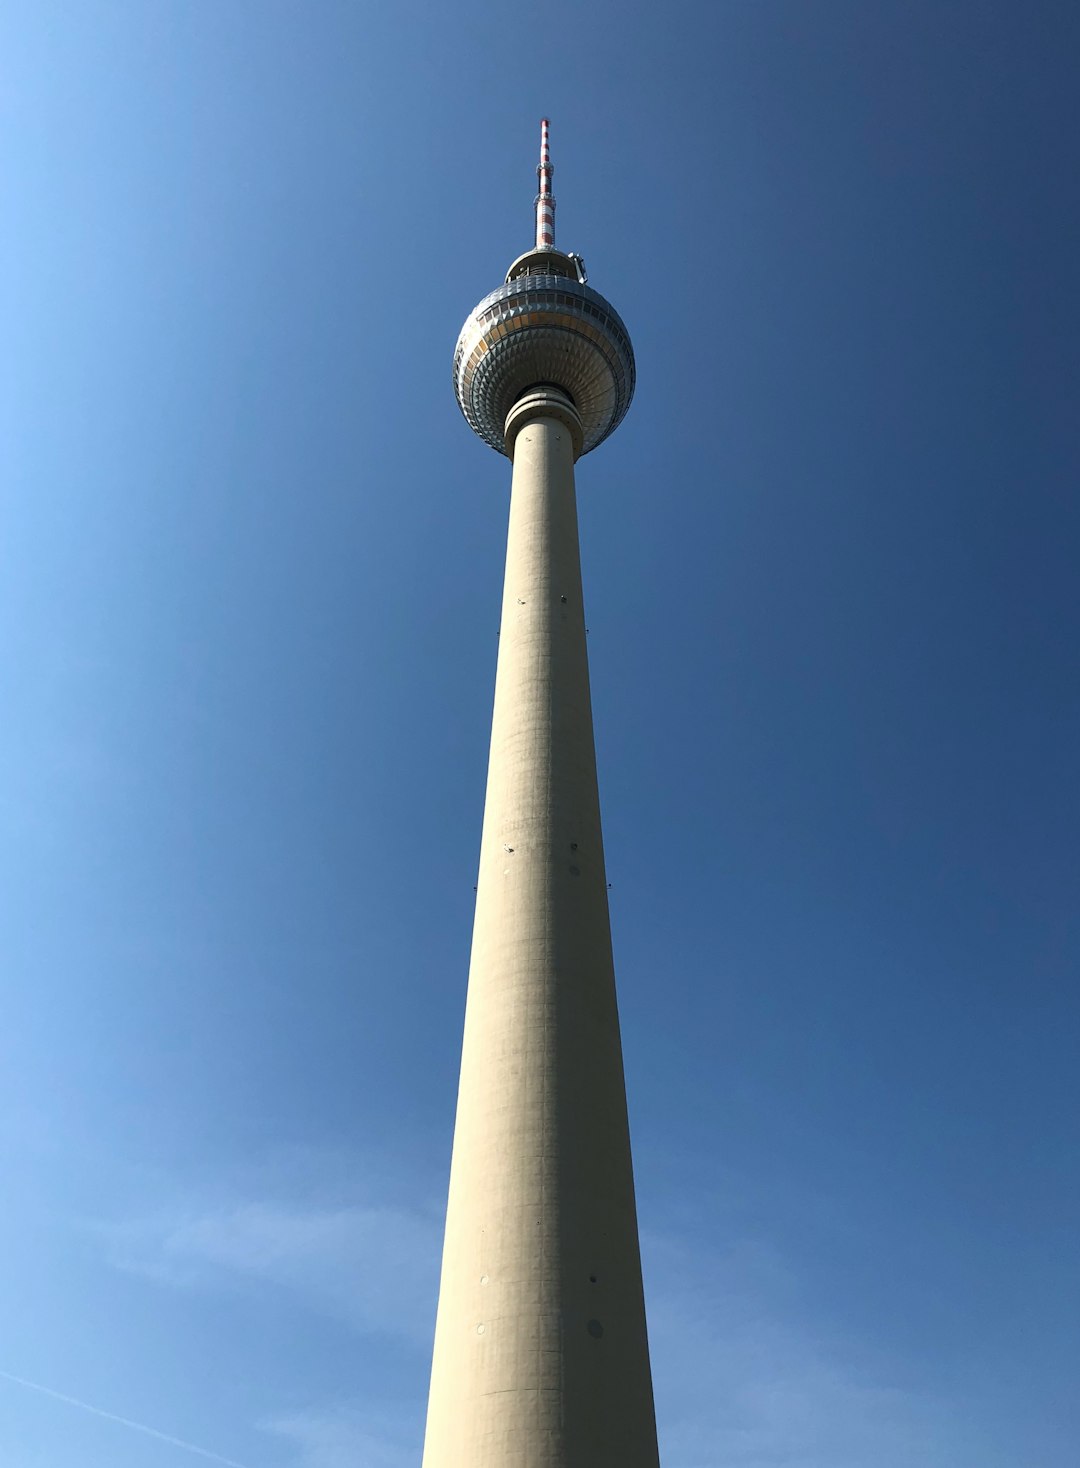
250	594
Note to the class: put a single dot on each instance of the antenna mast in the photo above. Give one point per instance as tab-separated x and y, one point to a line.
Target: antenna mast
545	199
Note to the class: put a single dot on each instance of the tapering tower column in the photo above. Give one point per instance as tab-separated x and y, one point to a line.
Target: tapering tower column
541	1356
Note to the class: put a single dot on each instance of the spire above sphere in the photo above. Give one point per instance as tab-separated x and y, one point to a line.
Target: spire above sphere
541	1356
545	199
545	323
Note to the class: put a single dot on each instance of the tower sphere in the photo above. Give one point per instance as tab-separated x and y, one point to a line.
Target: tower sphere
544	326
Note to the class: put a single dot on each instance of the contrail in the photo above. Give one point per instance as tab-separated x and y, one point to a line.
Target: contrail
164	1437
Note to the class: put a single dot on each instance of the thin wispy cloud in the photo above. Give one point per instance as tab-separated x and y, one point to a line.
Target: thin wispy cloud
744	1379
373	1266
743	1375
147	1431
345	1437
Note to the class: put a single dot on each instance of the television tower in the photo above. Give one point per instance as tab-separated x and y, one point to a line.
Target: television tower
541	1358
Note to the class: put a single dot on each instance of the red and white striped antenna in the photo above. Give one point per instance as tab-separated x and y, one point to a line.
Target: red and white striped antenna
545	199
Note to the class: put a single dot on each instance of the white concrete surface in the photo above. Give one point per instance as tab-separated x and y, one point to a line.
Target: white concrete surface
541	1358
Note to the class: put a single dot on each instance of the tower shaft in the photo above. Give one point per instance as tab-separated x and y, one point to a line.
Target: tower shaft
541	1358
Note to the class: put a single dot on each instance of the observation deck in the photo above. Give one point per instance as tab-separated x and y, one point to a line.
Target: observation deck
544	325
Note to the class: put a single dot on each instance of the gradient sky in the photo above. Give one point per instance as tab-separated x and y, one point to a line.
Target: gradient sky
249	600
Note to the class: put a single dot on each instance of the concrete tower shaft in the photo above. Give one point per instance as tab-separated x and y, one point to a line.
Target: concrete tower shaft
541	1356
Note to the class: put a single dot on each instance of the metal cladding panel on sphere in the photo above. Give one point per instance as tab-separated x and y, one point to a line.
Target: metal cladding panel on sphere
544	329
